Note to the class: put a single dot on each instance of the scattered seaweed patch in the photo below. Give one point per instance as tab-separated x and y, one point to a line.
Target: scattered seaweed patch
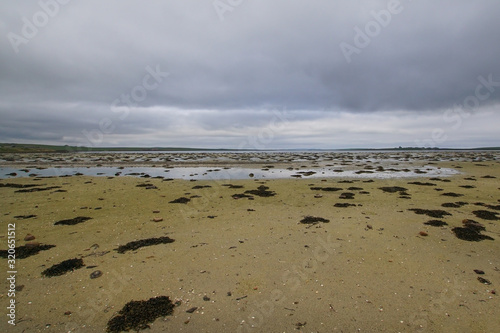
441	180
393	189
471	231
182	200
24	217
497	207
76	220
233	186
136	315
354	188
241	195
200	187
37	189
473	225
313	220
63	267
261	191
12	185
306	173
451	194
346	195
422	184
486	215
131	246
326	189
26	251
147	186
343	205
437	213
454	204
436	223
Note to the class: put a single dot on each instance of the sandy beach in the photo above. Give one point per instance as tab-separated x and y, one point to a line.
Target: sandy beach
242	261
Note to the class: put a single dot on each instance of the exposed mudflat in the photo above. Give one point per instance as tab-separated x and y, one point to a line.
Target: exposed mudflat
306	254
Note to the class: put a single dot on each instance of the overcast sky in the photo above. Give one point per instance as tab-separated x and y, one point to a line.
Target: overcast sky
251	74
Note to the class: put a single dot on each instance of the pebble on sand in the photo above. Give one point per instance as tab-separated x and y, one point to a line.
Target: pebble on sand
29	237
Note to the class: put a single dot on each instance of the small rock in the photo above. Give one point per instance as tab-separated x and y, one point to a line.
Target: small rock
156	211
206	298
483	280
95	274
67	313
157	219
478	271
193	309
29	237
423	233
31	245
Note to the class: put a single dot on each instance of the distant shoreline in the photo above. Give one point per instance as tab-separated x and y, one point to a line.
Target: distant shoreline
38	148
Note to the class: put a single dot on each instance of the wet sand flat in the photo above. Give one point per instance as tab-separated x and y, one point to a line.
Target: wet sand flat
247	264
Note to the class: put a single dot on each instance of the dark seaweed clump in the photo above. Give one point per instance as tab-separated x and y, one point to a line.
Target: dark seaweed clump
182	200
495	207
24	217
147	186
26	251
451	194
11	185
313	220
326	189
261	191
422	184
37	189
454	204
346	195
393	189
436	223
76	220
232	186
441	180
131	246
136	315
343	205
63	267
437	213
197	187
471	231
486	215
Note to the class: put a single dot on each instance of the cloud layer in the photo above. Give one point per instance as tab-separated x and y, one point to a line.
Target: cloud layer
94	73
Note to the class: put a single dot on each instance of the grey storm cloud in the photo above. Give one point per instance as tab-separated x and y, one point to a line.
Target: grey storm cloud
67	64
